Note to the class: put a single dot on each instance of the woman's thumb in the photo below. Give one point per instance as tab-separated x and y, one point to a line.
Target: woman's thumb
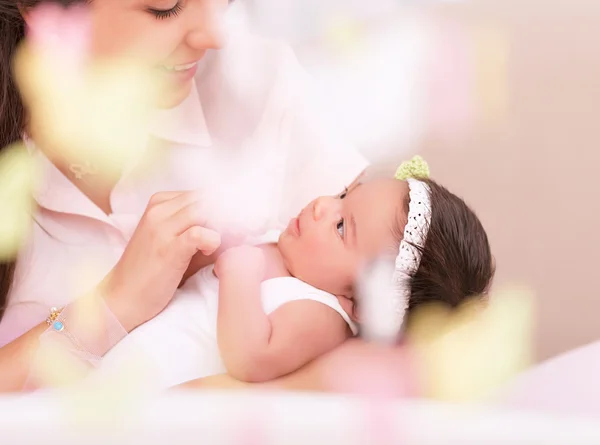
200	239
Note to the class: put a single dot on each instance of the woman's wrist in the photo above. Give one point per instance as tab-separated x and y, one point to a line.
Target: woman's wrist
86	330
128	316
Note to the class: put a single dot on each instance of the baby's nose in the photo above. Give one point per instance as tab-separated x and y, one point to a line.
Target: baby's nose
322	207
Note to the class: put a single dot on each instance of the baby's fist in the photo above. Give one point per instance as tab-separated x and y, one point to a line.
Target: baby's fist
241	260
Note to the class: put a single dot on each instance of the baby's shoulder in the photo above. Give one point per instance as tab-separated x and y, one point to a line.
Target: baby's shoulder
279	291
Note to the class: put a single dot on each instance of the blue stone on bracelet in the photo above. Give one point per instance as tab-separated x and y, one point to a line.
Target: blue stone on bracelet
58	326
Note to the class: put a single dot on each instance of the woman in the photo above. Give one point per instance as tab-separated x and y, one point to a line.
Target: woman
222	93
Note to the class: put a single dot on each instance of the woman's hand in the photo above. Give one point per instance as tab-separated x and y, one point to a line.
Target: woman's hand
201	260
146	277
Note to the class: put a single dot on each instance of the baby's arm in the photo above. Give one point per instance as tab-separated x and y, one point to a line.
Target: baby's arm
256	347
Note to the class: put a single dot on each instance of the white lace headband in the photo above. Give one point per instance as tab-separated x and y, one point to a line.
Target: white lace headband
415	233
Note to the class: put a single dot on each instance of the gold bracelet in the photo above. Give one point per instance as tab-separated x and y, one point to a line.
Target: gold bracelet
53	321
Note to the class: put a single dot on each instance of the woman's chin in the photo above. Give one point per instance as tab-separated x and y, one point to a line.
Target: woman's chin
173	95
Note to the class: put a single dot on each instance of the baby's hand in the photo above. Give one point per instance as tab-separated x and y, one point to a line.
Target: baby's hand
241	260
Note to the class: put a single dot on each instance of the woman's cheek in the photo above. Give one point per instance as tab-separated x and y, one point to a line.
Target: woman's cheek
130	34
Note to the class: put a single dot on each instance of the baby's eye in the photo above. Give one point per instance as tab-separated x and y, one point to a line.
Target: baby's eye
340	228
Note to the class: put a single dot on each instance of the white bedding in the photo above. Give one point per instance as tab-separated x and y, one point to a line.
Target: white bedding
287	419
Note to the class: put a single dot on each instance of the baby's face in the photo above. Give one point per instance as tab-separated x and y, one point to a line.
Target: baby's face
332	238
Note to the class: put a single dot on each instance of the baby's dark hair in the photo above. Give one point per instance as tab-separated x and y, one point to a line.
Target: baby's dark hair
456	262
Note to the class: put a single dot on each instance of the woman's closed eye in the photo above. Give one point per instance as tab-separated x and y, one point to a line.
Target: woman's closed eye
344	193
162	14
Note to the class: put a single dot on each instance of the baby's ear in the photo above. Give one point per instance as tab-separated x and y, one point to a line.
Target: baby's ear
349	306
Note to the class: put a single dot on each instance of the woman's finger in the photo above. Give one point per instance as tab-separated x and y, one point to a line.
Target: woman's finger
185	218
160	209
160	197
198	239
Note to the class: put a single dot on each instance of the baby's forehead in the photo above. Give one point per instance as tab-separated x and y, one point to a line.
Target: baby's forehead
378	209
387	192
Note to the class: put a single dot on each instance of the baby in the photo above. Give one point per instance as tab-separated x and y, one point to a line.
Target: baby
264	311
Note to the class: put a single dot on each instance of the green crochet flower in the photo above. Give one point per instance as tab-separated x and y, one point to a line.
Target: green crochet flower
415	168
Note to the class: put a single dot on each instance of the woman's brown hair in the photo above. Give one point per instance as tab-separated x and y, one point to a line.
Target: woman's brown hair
12	114
12	110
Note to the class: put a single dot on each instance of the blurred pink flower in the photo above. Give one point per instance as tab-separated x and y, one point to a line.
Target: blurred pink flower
378	372
86	111
60	31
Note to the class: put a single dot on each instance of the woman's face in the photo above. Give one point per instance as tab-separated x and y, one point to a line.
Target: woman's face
169	36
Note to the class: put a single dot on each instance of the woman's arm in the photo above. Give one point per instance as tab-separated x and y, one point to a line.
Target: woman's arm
312	377
136	290
354	367
91	327
16	359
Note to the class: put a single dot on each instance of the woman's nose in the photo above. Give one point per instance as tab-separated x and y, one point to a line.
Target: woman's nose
205	39
209	29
